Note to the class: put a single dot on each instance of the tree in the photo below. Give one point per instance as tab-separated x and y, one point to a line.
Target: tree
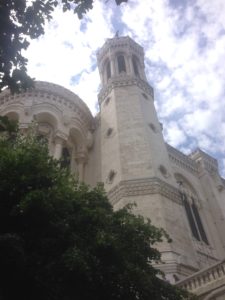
62	240
21	21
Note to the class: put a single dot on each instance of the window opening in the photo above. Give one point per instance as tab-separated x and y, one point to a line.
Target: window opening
109	132
108	70
194	220
65	160
145	96
121	64
199	223
190	217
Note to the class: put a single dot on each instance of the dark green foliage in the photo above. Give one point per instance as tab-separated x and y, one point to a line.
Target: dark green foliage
20	21
62	240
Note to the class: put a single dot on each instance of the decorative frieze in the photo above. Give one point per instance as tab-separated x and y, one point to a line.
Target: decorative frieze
124	80
52	94
145	186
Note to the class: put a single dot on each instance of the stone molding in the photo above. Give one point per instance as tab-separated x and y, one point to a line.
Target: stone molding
182	160
52	94
175	267
124	80
144	186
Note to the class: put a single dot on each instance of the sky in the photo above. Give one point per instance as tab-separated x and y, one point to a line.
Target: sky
184	43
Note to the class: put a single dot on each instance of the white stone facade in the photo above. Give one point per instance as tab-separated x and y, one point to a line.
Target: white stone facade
123	147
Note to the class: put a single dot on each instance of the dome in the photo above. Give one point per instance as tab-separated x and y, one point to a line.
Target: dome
50	94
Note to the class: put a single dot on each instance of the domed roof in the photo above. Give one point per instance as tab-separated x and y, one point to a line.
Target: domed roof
58	90
58	95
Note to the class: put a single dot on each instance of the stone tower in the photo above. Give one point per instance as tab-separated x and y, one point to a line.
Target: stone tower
136	163
132	145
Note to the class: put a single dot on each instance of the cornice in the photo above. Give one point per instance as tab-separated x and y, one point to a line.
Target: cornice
124	80
145	186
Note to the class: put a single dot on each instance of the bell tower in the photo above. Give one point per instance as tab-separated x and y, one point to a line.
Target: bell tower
132	145
138	166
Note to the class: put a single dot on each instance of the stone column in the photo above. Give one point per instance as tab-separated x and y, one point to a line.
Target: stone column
142	72
129	65
59	141
81	159
112	66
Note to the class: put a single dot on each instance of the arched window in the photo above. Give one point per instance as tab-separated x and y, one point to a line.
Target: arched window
135	66
108	70
121	63
44	133
191	209
190	217
199	222
66	158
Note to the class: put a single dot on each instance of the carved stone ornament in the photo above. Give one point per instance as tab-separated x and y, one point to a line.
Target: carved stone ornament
145	186
66	120
164	171
111	176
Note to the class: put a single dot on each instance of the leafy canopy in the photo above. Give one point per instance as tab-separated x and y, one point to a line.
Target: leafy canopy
62	240
21	21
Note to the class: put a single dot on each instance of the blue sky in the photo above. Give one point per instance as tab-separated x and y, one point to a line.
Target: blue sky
184	42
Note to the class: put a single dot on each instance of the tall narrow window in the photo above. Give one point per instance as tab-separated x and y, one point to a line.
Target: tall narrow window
189	199
194	219
190	217
199	223
108	70
121	64
135	66
65	160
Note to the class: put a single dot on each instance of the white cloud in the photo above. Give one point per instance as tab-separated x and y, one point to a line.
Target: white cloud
174	134
188	45
66	51
185	53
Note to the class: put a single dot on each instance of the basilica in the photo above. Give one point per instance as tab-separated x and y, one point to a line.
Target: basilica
123	147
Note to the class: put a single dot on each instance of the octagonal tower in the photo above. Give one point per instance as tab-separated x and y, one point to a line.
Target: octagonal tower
132	144
138	166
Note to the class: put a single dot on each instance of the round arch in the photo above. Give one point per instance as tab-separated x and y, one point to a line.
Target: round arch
46	117
12	115
121	62
77	137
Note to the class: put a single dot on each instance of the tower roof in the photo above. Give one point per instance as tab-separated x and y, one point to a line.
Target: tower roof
119	43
